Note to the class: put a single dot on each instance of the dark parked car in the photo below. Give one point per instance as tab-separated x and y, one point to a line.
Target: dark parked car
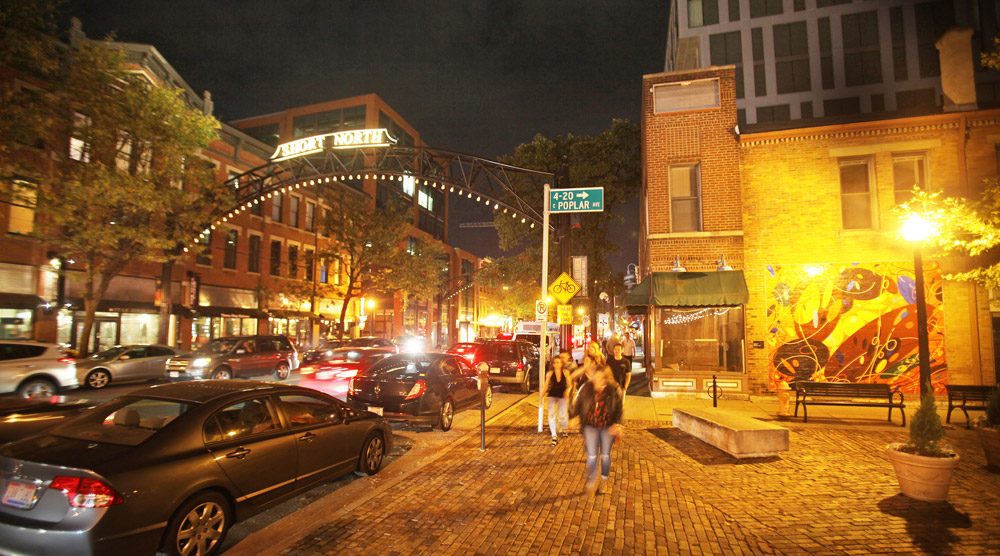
371	341
465	349
172	467
124	363
424	388
236	357
330	370
511	362
20	418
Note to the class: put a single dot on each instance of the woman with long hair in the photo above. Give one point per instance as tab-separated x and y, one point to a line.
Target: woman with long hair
557	388
599	405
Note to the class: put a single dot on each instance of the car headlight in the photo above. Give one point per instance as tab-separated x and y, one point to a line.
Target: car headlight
201	362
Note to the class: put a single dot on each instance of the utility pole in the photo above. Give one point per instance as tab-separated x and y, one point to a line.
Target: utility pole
565	244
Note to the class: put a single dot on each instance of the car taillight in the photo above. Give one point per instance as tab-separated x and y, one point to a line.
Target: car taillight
67	360
418	390
520	366
350	387
87	492
307	370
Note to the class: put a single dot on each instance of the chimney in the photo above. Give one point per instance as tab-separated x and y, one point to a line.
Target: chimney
76	34
957	74
207	106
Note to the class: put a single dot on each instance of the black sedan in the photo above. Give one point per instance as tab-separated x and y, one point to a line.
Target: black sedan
172	467
20	417
423	388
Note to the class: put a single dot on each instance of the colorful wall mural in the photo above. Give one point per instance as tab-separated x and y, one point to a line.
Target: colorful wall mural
854	322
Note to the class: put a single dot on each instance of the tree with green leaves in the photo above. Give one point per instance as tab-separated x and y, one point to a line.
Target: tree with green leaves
612	160
375	250
131	186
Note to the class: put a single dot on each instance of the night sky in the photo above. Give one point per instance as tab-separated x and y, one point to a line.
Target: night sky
478	77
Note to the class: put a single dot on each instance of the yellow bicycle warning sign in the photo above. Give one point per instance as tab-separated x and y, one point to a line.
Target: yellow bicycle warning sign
564	288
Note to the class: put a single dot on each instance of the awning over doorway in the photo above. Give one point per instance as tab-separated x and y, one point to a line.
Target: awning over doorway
20	301
724	288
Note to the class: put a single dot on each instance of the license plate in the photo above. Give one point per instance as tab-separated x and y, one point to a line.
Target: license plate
375	410
19	495
174	374
324	375
495	370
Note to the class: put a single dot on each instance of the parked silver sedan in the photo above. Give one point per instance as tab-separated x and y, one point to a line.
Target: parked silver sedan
124	363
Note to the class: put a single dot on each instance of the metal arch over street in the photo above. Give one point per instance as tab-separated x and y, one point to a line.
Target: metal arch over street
316	161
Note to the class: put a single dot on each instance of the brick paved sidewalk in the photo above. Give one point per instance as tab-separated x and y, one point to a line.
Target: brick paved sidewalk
833	493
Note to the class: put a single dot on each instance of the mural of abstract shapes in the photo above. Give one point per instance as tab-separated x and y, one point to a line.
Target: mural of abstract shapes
853	322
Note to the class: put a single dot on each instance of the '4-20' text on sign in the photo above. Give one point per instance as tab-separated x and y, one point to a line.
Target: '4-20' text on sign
581	199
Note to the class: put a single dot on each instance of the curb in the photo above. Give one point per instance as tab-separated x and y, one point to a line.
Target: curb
290	529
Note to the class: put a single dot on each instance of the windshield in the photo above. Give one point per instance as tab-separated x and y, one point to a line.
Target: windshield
401	368
346	354
222	345
126	421
108	353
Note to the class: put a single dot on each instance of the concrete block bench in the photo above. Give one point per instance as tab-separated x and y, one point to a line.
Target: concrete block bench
738	436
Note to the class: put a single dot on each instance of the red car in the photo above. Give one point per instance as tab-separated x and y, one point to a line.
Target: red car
330	370
465	349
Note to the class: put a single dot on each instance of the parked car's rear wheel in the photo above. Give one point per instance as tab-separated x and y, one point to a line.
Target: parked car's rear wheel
447	415
98	378
281	373
37	387
199	527
223	373
372	455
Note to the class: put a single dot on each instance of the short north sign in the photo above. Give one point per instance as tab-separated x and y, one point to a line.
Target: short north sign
339	140
581	199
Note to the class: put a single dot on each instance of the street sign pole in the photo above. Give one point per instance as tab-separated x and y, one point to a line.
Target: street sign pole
543	337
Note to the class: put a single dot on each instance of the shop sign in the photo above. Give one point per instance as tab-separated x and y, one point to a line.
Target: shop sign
194	284
339	140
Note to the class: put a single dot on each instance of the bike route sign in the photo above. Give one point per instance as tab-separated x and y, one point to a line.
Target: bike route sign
564	288
580	199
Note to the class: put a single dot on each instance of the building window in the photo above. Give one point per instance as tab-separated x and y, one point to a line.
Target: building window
310	265
899	71
336	272
79	148
408	185
686	95
253	255
842	106
229	255
293	211
862	59
403	139
310	217
703	12
779	113
791	57
734	10
275	258
726	49
293	261
205	249
22	207
933	19
324	276
806	110
264	133
878	103
685	198
856	203
917	100
909	170
759	75
277	204
825	52
330	121
764	8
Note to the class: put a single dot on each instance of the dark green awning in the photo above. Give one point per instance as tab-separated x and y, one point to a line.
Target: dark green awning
724	288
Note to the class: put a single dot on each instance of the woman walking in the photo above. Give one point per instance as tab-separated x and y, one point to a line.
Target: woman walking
599	406
557	391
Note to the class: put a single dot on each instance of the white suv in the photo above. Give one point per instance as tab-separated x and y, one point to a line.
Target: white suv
35	369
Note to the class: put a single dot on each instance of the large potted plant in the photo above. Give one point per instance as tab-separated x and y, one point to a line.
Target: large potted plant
924	467
988	429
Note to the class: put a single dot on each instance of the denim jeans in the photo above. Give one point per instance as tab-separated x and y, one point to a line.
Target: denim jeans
597	440
558	409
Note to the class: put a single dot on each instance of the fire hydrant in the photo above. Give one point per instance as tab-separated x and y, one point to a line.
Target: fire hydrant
784	393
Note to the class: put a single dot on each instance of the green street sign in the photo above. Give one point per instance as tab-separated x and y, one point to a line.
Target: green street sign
580	199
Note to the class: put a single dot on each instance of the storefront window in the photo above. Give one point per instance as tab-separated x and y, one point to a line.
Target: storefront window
15	324
64	327
140	328
700	338
201	331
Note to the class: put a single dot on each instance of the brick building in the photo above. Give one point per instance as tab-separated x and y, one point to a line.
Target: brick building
805	216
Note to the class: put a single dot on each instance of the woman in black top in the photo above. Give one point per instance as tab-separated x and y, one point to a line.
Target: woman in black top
557	390
599	405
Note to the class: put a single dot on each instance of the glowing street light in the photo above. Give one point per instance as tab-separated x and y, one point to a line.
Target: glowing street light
916	229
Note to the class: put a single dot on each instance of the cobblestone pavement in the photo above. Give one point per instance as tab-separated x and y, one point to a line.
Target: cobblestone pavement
833	493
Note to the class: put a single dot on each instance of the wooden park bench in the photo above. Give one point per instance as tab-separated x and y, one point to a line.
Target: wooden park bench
846	393
966	398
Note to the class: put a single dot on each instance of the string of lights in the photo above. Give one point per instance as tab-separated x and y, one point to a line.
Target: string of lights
684	318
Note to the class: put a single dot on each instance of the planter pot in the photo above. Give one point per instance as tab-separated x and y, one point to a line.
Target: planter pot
922	477
990	440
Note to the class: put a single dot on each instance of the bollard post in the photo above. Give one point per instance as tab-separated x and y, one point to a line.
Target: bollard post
484	383
715	393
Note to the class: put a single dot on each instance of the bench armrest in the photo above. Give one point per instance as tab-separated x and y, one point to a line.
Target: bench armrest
895	391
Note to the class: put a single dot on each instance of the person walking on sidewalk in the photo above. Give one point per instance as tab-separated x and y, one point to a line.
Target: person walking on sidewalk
620	367
599	405
557	392
628	349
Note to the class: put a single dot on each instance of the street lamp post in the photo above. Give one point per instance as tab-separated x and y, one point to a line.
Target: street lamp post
917	229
